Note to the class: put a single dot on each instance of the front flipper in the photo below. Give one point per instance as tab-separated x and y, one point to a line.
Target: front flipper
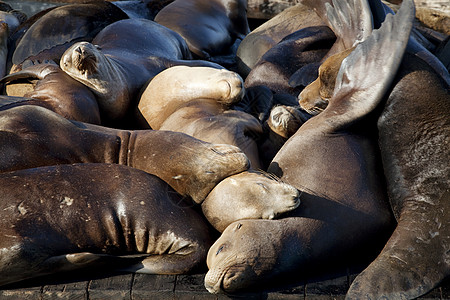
76	261
167	264
367	73
351	21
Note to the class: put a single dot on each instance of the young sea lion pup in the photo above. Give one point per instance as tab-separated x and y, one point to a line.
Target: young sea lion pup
69	217
344	213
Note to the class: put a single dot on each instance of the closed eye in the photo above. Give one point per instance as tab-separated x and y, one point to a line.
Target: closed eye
262	185
219	250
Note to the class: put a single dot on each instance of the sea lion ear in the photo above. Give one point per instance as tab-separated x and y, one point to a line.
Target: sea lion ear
367	73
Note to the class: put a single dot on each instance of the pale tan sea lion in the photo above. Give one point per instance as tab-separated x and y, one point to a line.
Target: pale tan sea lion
198	103
248	195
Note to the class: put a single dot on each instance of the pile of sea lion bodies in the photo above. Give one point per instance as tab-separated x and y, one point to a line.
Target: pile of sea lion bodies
160	136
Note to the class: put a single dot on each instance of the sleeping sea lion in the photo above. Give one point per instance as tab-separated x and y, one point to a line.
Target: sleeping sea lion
69	217
298	50
417	183
414	137
248	195
122	58
271	32
52	88
32	136
210	27
344	213
198	103
283	122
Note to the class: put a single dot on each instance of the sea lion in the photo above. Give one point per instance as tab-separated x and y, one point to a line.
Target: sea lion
271	32
314	97
55	31
32	136
210	27
4	34
187	83
248	195
414	134
304	47
282	123
54	90
122	58
68	217
344	213
197	103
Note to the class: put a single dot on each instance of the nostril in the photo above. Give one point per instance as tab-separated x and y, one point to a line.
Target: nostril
78	49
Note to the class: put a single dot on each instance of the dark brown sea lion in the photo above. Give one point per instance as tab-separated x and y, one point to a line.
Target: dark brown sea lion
414	138
55	31
198	103
4	34
271	32
248	195
32	136
122	58
344	212
69	217
52	88
210	27
314	98
302	48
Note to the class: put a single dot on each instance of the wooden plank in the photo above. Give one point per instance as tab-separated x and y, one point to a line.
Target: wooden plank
192	287
21	294
157	287
114	287
72	291
328	289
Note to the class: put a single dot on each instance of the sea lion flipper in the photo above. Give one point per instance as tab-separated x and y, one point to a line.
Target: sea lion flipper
366	74
351	20
33	72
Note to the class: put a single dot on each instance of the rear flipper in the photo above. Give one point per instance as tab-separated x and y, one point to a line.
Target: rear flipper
415	259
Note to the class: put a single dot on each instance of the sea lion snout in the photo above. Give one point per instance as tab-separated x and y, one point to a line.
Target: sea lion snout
231	86
80	57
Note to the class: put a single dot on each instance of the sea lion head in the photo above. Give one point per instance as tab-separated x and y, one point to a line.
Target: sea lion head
284	120
160	99
82	60
86	63
315	97
237	259
248	195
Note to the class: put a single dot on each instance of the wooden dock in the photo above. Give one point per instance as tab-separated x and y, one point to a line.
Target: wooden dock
162	287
